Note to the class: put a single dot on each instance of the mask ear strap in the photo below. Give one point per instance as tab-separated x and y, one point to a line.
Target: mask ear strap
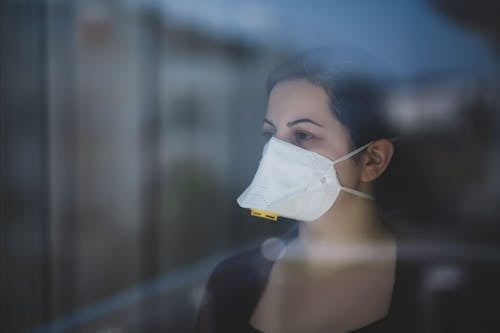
347	156
352	153
358	193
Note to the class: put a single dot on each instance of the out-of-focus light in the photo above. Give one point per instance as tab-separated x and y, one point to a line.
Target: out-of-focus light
273	248
196	295
444	277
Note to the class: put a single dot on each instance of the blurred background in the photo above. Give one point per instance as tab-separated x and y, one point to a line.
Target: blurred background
128	129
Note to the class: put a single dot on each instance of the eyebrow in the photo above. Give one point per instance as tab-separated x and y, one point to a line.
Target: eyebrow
303	120
269	123
295	122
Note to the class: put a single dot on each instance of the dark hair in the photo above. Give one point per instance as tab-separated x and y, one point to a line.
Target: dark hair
354	83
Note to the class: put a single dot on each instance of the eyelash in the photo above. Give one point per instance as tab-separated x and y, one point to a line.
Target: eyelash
298	136
267	135
301	136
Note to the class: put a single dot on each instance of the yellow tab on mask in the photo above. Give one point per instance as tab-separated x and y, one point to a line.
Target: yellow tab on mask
264	214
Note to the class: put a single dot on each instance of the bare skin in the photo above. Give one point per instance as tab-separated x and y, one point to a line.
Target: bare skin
339	274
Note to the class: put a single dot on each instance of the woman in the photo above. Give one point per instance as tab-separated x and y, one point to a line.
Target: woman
328	147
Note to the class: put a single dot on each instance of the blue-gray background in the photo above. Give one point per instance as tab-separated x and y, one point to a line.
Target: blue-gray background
129	128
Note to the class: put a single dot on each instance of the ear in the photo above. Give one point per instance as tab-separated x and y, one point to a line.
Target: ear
375	159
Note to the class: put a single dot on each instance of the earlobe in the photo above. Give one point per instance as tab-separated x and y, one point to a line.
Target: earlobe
375	159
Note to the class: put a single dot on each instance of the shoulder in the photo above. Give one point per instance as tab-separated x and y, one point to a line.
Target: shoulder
232	291
252	266
235	286
239	273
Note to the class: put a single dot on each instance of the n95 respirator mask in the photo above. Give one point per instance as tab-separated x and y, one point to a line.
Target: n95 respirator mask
294	182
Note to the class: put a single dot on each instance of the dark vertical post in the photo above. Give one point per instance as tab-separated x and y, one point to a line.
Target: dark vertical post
24	270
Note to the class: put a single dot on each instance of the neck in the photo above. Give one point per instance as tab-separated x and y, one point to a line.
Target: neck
351	219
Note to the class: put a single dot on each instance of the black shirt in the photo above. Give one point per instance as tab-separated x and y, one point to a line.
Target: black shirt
237	283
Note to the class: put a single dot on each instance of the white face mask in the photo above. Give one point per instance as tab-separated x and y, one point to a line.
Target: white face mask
294	182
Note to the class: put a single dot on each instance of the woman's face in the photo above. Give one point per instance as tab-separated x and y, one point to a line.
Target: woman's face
299	112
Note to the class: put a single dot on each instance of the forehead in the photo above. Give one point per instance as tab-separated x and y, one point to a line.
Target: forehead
299	98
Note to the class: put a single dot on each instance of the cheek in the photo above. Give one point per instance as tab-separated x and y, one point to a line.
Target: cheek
331	149
349	173
336	143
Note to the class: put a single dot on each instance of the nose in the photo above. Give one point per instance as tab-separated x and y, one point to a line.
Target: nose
280	136
283	137
283	134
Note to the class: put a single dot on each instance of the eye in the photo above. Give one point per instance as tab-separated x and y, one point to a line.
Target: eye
267	134
301	136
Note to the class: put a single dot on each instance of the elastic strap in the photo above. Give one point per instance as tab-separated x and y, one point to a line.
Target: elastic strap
347	156
358	193
352	153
